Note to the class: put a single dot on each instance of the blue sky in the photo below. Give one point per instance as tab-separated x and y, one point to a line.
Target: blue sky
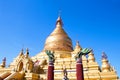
27	23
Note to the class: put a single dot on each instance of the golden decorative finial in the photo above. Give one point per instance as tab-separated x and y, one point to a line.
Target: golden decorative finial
3	62
77	43
27	52
105	63
91	57
104	56
77	47
21	52
59	20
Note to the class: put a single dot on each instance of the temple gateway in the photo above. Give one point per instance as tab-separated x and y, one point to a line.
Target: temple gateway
59	44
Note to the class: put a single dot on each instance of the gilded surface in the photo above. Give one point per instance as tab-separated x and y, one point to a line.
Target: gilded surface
58	39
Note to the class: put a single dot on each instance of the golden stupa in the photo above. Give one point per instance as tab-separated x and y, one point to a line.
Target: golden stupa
25	67
58	39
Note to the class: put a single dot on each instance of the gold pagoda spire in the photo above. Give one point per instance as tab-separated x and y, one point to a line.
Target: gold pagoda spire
21	53
27	53
58	40
77	47
59	22
91	57
105	63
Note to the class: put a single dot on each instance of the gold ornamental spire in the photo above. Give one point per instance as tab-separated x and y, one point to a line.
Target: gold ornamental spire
91	57
105	63
77	47
58	40
27	53
21	52
59	22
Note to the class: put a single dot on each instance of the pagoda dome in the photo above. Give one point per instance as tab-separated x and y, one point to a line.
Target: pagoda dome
58	40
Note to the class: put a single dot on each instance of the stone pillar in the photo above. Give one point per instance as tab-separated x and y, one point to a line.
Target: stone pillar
79	70
50	74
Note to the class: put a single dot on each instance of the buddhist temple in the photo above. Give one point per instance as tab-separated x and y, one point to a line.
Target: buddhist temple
59	43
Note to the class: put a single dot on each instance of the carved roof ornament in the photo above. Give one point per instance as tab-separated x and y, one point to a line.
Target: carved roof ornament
77	47
104	56
3	64
27	52
21	52
91	57
59	21
4	59
105	63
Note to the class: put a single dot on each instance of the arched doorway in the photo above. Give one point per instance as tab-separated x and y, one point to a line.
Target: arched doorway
20	66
